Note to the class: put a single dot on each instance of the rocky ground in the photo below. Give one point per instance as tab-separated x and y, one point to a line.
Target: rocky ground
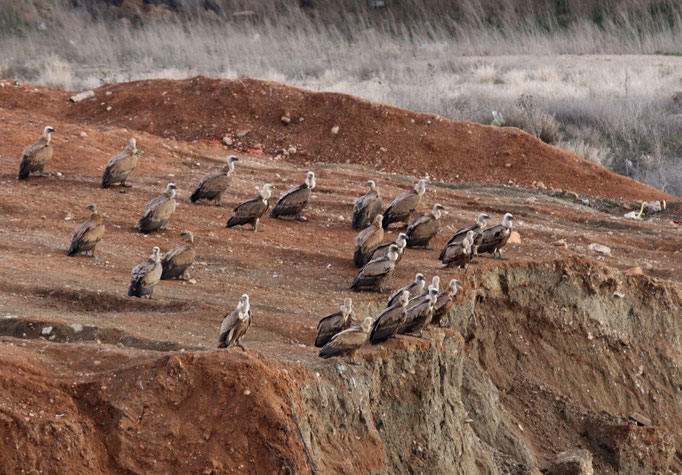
551	351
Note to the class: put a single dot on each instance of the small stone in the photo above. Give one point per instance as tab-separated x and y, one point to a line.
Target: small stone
514	238
573	195
243	133
335	129
640	419
541	185
292	150
560	243
247	392
572	462
59	174
600	249
192	281
508	165
81	96
83	134
108	93
227	140
634	270
77	327
109	108
285	119
341	218
46	330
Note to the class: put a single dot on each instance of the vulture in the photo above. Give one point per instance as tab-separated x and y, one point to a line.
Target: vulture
176	262
459	253
477	228
159	210
413	289
120	166
444	302
35	157
213	186
292	202
376	272
387	323
367	207
250	212
401	209
419	313
381	251
367	241
235	324
145	276
88	234
334	323
424	228
495	237
347	342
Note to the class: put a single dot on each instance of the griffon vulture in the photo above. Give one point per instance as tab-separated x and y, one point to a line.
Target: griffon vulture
459	253
235	324
401	209
381	251
159	210
212	186
387	323
145	276
413	289
367	207
250	212
347	342
495	237
120	166
423	229
292	202
419	313
445	302
334	323
367	241
88	234
35	157
376	272
176	261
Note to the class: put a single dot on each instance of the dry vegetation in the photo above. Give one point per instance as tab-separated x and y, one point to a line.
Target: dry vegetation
604	85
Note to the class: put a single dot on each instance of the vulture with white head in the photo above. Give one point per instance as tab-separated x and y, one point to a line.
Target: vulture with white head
347	342
495	237
145	276
459	253
176	261
382	250
444	302
159	210
292	202
120	166
367	206
88	234
375	273
251	211
402	208
235	324
35	157
413	289
423	229
387	323
212	186
334	323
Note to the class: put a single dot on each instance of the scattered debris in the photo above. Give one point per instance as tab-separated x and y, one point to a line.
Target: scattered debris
46	330
82	96
573	462
227	140
600	249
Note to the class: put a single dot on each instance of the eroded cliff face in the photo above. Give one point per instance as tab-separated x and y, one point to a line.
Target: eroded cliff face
536	359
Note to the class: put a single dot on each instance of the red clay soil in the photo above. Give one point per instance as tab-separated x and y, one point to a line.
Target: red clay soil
193	409
376	135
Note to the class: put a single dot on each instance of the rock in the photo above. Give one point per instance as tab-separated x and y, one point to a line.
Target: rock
77	327
335	129
640	419
634	270
81	96
285	119
631	215
514	238
292	150
560	243
541	185
227	140
243	133
46	330
109	108
83	134
573	195
572	462
600	249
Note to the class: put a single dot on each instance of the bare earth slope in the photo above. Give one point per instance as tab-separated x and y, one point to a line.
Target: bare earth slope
552	350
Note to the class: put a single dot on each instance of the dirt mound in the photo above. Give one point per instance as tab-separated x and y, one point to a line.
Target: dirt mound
330	127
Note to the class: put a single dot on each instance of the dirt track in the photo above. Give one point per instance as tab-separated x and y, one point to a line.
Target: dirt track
294	272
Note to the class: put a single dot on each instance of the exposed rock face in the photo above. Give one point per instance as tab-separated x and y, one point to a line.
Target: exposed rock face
572	462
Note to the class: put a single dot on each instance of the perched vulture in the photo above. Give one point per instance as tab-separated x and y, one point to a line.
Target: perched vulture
413	289
250	212
376	272
88	234
292	202
35	157
367	241
235	324
381	251
367	207
401	209
145	276
424	228
387	323
419	313
459	253
334	323
347	342
159	210
120	166
445	302
176	262
213	186
495	237
476	228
